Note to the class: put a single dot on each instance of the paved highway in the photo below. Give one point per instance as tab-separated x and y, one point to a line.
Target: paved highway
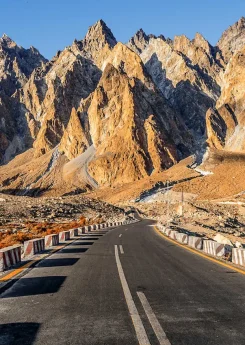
125	286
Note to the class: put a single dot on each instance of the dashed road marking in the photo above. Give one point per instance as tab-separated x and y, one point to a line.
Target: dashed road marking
157	328
120	235
121	249
138	325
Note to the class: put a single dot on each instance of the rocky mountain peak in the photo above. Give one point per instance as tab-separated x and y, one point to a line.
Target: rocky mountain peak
6	41
141	34
201	42
100	34
241	23
233	39
97	43
140	41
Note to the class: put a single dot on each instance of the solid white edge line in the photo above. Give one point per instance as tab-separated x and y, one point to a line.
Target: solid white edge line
157	328
121	249
138	325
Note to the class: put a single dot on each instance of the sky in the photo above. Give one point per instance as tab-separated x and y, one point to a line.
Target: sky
51	25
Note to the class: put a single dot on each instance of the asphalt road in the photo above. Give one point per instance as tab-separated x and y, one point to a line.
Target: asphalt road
148	291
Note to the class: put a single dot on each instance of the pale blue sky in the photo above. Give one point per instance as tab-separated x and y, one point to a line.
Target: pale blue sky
50	25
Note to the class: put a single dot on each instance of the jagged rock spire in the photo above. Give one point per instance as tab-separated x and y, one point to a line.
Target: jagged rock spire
100	33
233	39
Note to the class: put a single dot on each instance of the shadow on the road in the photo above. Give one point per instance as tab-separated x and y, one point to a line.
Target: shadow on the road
18	333
57	262
92	238
73	250
34	286
93	235
83	243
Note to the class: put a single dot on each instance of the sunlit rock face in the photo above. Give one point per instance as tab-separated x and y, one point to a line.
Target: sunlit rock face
232	40
16	66
226	123
127	110
187	73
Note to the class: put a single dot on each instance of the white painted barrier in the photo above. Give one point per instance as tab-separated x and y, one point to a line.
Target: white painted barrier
34	246
173	234
82	230
216	249
64	236
238	256
195	242
9	256
51	240
182	238
73	232
167	231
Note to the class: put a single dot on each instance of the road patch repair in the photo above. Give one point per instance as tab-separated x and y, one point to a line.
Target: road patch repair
16	261
216	252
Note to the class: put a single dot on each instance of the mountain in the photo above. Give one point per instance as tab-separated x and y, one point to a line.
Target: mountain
187	74
232	40
225	122
104	113
129	118
16	66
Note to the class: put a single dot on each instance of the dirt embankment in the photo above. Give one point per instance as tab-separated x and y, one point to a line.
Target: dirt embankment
226	181
24	218
205	218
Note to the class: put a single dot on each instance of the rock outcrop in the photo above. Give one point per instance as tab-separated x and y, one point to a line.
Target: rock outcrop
134	130
232	40
97	43
188	75
16	66
226	123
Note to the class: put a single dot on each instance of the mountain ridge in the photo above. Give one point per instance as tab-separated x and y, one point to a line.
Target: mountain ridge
144	105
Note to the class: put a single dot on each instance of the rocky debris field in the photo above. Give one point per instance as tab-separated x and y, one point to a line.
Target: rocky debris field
204	218
22	218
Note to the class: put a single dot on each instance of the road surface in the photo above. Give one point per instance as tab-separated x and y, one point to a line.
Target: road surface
125	286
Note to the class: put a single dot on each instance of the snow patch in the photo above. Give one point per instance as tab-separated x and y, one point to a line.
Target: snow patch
203	172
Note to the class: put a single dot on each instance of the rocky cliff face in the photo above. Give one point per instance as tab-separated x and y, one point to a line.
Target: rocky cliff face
133	128
232	40
119	112
226	122
187	74
52	93
16	66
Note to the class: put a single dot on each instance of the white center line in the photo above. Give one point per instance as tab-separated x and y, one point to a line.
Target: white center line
121	249
161	335
138	325
120	235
